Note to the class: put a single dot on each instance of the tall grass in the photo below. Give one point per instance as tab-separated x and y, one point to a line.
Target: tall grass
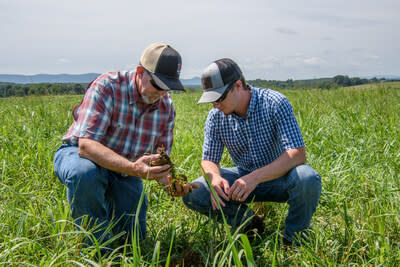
352	138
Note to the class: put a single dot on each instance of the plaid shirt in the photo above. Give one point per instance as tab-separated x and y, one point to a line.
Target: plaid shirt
112	112
256	140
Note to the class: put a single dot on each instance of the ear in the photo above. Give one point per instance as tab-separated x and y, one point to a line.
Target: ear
239	84
139	70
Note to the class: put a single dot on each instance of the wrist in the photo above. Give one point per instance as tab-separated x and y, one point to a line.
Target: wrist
133	167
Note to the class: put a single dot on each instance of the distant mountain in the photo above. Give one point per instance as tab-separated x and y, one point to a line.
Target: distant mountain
69	78
195	81
48	78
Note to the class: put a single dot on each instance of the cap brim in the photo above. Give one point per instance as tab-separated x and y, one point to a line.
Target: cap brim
212	95
167	83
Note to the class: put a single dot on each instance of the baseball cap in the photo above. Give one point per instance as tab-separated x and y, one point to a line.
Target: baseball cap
217	77
163	63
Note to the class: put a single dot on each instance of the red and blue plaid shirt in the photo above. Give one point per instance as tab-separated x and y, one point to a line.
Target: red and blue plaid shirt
113	113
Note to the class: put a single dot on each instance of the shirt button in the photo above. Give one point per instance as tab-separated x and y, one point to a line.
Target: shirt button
251	139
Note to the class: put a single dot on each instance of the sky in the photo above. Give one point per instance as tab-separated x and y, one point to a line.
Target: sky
272	40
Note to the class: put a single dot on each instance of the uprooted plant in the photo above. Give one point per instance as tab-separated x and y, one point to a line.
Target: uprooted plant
181	179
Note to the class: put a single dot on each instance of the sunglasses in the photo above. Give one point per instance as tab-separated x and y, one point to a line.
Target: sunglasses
225	94
153	83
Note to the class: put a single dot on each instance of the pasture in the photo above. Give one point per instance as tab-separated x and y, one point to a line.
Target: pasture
352	137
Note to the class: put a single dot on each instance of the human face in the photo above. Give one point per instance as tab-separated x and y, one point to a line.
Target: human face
220	103
148	89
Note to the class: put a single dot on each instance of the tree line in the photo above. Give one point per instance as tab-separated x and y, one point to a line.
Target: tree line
13	89
322	83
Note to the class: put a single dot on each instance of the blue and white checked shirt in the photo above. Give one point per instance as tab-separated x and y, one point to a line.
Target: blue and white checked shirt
256	140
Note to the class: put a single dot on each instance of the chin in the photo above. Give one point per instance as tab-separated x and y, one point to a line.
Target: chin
150	100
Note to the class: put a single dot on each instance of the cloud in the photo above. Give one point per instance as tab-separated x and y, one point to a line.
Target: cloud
285	31
373	57
63	61
314	61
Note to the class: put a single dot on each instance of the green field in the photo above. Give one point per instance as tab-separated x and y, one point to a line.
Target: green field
353	141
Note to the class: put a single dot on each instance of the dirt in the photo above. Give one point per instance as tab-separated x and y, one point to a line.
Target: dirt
180	178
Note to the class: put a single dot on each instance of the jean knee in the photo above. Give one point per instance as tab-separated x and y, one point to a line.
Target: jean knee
307	179
198	199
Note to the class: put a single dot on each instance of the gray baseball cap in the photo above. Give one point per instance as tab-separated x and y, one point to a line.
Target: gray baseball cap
217	77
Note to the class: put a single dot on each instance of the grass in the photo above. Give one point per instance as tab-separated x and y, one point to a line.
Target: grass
352	139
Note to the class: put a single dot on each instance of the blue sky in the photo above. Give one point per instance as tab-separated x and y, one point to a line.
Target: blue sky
268	39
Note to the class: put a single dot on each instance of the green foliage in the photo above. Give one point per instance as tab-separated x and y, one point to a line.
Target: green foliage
352	141
321	83
13	89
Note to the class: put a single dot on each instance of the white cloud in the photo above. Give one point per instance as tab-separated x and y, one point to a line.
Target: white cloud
63	60
273	40
286	31
314	61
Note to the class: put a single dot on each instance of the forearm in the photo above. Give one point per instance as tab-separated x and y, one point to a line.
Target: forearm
210	168
279	167
105	157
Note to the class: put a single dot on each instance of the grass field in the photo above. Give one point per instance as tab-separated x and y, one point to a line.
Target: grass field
352	139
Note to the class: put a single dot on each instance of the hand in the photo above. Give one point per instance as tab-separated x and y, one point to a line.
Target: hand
145	171
180	189
242	188
221	187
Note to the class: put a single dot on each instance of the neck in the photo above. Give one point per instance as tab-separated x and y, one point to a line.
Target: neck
245	97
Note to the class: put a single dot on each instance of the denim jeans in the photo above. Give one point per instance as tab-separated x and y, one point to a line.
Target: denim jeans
106	197
300	188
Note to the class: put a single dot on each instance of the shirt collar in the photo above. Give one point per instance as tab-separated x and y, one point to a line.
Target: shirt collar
253	101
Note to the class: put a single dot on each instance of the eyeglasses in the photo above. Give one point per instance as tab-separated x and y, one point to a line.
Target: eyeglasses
225	94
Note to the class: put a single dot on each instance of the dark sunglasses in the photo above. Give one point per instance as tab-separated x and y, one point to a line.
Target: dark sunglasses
225	94
153	83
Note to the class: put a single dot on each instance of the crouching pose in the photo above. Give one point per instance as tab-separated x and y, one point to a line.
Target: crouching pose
123	118
261	133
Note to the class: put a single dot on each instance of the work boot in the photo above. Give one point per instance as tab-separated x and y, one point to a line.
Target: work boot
254	228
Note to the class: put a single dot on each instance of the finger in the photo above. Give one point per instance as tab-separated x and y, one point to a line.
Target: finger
235	190
161	168
244	197
148	158
240	195
221	202
178	188
186	189
195	186
221	193
213	203
226	187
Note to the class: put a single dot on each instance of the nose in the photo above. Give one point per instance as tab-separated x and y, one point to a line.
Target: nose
215	104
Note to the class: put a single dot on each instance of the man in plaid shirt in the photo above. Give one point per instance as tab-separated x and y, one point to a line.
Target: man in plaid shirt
123	118
261	133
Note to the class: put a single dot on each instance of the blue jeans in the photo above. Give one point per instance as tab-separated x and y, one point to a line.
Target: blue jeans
300	188
106	197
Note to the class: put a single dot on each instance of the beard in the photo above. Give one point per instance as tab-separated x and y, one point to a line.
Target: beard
150	99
